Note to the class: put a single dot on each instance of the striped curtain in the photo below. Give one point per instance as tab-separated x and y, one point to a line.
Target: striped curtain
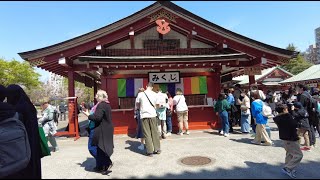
189	85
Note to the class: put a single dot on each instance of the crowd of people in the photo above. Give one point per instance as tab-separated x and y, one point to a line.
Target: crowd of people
295	111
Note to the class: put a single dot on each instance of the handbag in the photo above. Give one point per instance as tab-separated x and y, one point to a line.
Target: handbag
45	151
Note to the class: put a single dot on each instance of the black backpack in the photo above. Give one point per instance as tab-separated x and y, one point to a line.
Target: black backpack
15	152
55	116
311	103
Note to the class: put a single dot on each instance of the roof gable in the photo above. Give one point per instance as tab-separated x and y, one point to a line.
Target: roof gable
312	73
157	6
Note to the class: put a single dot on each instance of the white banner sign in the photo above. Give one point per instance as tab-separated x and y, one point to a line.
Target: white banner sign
313	85
164	77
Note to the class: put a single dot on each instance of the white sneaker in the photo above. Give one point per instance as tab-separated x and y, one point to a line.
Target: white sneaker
226	134
221	132
141	147
187	133
169	134
180	133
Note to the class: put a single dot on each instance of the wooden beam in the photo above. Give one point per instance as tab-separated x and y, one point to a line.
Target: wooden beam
132	41
256	61
190	36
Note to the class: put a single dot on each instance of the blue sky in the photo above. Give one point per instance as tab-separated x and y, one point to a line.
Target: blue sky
31	25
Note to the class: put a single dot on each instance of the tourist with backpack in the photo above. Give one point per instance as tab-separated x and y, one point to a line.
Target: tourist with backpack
49	127
28	116
301	116
14	143
310	104
261	120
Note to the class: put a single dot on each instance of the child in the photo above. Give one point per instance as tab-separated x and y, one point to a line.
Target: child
301	116
288	134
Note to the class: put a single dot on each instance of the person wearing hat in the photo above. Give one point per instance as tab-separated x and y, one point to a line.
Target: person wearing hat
301	116
49	127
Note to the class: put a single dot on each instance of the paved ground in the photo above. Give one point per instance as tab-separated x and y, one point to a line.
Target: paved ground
234	157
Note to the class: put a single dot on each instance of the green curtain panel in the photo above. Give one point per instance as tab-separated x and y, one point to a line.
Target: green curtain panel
122	88
203	85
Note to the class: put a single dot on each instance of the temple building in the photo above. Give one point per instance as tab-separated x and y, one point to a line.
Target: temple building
162	43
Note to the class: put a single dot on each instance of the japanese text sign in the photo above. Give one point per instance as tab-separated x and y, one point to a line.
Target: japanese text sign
164	77
252	71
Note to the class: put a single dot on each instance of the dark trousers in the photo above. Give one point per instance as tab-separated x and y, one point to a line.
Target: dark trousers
103	158
93	149
169	124
312	136
64	116
231	120
238	115
253	125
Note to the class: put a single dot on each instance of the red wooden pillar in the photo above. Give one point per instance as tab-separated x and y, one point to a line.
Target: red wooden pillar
251	80
71	83
104	82
71	104
113	92
213	83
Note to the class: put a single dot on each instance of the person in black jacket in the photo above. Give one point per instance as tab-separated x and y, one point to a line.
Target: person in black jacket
301	116
288	134
309	104
28	115
103	131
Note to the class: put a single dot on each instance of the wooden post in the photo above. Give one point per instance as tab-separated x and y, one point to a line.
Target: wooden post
71	104
104	82
251	80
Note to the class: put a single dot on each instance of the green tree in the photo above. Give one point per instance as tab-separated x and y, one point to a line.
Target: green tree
15	72
298	64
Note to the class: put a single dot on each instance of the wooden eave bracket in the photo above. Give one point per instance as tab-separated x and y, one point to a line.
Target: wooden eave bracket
65	62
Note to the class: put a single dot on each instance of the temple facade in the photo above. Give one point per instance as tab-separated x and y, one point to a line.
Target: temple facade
162	43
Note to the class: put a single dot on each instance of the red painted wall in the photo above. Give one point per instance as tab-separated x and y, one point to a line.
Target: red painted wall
199	118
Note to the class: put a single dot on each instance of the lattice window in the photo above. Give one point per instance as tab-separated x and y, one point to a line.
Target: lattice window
127	103
195	99
161	44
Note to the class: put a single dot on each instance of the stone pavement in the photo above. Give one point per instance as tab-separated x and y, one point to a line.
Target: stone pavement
233	157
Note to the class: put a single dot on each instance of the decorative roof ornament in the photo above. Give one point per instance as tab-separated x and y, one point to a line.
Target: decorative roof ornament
163	26
163	14
37	62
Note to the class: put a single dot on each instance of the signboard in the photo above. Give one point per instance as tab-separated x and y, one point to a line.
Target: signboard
252	71
164	77
314	85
